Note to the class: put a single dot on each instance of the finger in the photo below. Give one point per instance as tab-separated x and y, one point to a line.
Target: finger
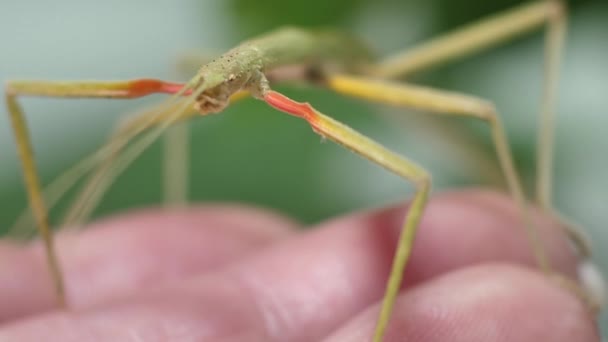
474	226
120	255
307	286
302	288
490	302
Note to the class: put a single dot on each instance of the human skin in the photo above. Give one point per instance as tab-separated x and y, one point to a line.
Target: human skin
234	273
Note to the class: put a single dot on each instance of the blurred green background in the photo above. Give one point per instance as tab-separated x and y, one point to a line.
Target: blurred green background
255	155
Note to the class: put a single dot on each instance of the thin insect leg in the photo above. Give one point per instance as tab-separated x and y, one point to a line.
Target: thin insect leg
470	39
32	184
554	40
109	166
105	174
14	89
176	158
175	164
127	129
24	227
483	35
352	140
103	177
443	102
487	33
451	103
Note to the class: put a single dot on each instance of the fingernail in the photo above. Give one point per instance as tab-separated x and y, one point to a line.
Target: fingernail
592	280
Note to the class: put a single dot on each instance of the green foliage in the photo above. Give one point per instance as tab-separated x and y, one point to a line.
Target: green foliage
264	15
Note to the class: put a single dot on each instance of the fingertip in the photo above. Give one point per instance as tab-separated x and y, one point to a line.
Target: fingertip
464	227
490	302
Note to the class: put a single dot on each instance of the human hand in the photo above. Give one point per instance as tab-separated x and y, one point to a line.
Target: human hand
230	273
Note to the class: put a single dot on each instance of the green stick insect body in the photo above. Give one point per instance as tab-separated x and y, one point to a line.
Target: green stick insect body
330	59
244	67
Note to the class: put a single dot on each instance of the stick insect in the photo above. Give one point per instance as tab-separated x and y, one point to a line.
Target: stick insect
332	60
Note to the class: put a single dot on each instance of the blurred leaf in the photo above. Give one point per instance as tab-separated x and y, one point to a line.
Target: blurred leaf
263	15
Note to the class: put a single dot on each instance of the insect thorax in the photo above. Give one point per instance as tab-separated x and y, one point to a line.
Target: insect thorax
236	70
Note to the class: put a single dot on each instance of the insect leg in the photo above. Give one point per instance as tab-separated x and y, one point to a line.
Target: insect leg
452	103
486	34
367	148
14	89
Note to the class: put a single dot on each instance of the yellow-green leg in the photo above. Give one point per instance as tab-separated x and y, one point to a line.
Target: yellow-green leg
554	40
487	33
34	193
175	165
112	164
121	89
117	156
176	155
127	129
451	103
